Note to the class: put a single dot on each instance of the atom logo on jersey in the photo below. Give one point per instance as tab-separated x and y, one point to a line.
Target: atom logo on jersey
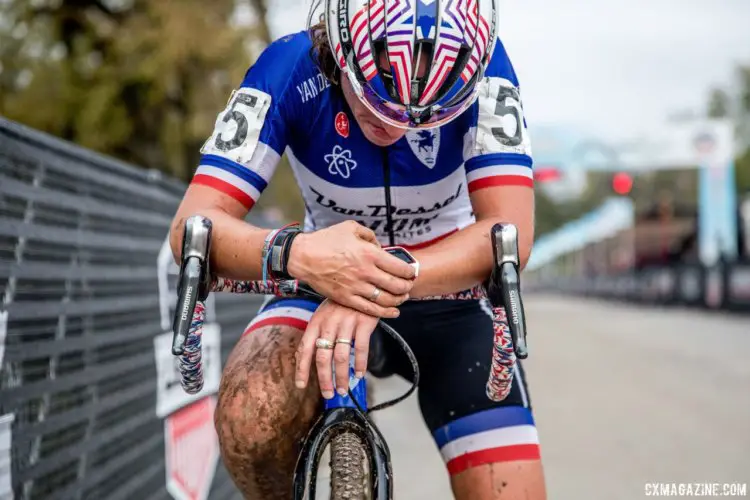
340	162
425	145
342	124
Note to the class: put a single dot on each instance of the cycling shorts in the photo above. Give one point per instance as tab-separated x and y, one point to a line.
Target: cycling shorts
452	341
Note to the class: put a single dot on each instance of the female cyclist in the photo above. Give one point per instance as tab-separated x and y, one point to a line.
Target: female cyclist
403	124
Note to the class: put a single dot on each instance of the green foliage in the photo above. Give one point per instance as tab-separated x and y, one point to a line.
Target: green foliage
547	216
743	75
550	215
742	162
141	80
718	104
742	172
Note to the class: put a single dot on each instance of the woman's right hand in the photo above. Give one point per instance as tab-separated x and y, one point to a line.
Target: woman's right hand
346	264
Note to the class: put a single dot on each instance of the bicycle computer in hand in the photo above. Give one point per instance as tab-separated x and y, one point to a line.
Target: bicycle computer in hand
403	254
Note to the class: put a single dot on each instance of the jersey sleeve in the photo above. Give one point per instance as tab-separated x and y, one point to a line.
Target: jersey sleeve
497	149
250	134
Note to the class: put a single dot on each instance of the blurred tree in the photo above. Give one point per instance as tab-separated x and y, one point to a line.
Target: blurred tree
141	80
744	79
718	104
551	215
264	33
547	216
742	163
742	172
737	107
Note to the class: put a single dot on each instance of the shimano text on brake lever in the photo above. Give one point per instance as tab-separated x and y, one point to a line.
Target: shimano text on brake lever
505	287
194	277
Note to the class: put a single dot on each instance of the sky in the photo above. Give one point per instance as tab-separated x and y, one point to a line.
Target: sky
610	67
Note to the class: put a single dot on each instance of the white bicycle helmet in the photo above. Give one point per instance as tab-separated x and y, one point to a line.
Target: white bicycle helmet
455	37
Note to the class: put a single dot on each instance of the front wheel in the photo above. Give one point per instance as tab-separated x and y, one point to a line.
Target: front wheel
350	470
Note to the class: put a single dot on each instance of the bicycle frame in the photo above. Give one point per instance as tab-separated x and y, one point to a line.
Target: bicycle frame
347	413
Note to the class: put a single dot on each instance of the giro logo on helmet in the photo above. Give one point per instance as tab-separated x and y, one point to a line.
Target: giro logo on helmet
344	20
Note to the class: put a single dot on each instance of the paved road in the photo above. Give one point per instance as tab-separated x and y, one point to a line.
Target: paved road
622	395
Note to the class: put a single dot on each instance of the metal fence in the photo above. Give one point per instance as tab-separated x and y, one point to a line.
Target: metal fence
80	235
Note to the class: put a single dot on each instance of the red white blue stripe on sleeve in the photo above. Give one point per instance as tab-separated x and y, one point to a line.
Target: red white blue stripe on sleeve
505	434
238	181
499	169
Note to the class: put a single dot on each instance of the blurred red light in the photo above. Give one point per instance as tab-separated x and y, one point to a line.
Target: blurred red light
547	174
622	183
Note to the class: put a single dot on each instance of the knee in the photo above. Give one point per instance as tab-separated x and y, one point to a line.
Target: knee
259	407
245	411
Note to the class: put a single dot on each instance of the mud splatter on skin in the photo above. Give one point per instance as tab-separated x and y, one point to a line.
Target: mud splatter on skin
498	484
261	417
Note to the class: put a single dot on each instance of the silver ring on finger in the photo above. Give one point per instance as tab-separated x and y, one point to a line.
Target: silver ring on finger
348	342
375	294
322	343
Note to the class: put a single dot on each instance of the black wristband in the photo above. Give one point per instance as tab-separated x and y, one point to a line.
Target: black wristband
278	261
287	253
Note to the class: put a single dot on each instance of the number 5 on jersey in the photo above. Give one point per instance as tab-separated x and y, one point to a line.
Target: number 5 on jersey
509	103
237	129
501	125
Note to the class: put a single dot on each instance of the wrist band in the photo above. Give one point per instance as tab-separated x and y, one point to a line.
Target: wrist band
286	254
272	259
279	252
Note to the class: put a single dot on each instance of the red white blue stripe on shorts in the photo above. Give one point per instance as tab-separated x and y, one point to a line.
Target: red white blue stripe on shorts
505	434
290	312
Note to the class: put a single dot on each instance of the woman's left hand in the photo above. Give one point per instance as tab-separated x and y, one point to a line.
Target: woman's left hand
340	325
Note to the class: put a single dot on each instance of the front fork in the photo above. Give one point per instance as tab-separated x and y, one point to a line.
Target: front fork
332	422
345	414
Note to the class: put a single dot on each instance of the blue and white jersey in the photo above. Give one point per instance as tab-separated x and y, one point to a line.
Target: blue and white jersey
412	193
